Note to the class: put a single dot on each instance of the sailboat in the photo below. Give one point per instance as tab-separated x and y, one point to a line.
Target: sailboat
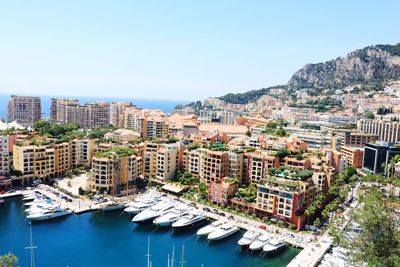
31	247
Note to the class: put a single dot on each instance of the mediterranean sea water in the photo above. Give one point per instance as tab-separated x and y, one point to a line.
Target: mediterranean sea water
165	105
110	239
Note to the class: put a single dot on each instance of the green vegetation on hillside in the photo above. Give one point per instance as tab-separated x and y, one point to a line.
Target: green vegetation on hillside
392	49
249	96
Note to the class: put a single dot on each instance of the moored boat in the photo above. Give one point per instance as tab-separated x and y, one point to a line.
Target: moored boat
209	228
274	245
248	238
48	214
154	211
189	220
223	231
260	242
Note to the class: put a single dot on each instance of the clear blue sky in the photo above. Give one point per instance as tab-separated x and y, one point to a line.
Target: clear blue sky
178	49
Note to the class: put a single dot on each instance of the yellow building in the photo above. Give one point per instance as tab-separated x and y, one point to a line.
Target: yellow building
114	173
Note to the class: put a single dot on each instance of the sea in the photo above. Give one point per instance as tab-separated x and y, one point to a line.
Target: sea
165	105
110	239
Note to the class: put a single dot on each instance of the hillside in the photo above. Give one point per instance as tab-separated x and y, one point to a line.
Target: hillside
370	65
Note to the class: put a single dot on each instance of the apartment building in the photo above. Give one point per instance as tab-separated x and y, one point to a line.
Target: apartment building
59	109
356	139
220	191
300	164
91	115
82	151
115	174
122	136
193	161
388	131
34	162
354	155
167	162
285	199
215	165
150	165
25	110
149	123
4	155
62	158
117	111
258	164
236	166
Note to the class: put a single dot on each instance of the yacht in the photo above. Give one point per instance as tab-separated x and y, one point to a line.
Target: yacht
189	220
248	238
260	242
30	197
113	206
48	214
135	207
173	215
223	231
274	245
209	228
154	211
41	206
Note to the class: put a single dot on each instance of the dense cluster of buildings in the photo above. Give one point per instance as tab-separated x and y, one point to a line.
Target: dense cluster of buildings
224	150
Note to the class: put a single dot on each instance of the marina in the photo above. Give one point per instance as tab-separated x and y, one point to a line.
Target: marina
95	231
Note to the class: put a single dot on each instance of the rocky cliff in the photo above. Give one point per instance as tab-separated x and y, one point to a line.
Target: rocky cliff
371	64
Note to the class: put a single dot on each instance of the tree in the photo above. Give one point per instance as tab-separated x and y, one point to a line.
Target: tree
8	260
378	244
282	153
369	115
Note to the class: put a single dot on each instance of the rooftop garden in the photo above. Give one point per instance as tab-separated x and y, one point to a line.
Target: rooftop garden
291	174
273	128
117	151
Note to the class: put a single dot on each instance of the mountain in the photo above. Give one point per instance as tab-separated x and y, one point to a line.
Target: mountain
372	64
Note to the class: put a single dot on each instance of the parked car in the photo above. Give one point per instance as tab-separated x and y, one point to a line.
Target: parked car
206	209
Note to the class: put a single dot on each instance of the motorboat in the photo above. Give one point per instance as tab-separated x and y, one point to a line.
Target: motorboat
173	215
260	242
274	245
30	197
41	206
248	238
210	228
154	211
223	231
189	220
113	206
134	207
48	214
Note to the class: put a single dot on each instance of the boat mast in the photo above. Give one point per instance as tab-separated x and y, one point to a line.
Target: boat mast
148	252
173	256
31	247
183	256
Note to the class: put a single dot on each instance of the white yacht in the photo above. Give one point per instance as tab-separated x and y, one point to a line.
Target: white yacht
223	231
173	215
135	207
48	214
260	242
41	206
154	211
209	228
248	238
189	220
30	197
274	245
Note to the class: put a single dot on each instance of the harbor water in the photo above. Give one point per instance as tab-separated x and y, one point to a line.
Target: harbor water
111	239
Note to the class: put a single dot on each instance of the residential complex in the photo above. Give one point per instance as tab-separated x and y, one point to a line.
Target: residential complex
25	110
388	131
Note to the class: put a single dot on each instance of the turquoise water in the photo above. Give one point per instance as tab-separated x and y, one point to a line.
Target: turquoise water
110	239
165	105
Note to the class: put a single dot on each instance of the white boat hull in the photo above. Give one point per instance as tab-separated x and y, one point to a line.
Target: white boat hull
113	207
213	237
48	216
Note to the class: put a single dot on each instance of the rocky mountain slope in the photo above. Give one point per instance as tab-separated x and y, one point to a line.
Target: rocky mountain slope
373	64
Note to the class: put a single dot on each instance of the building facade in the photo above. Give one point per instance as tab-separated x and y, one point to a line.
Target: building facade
25	110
